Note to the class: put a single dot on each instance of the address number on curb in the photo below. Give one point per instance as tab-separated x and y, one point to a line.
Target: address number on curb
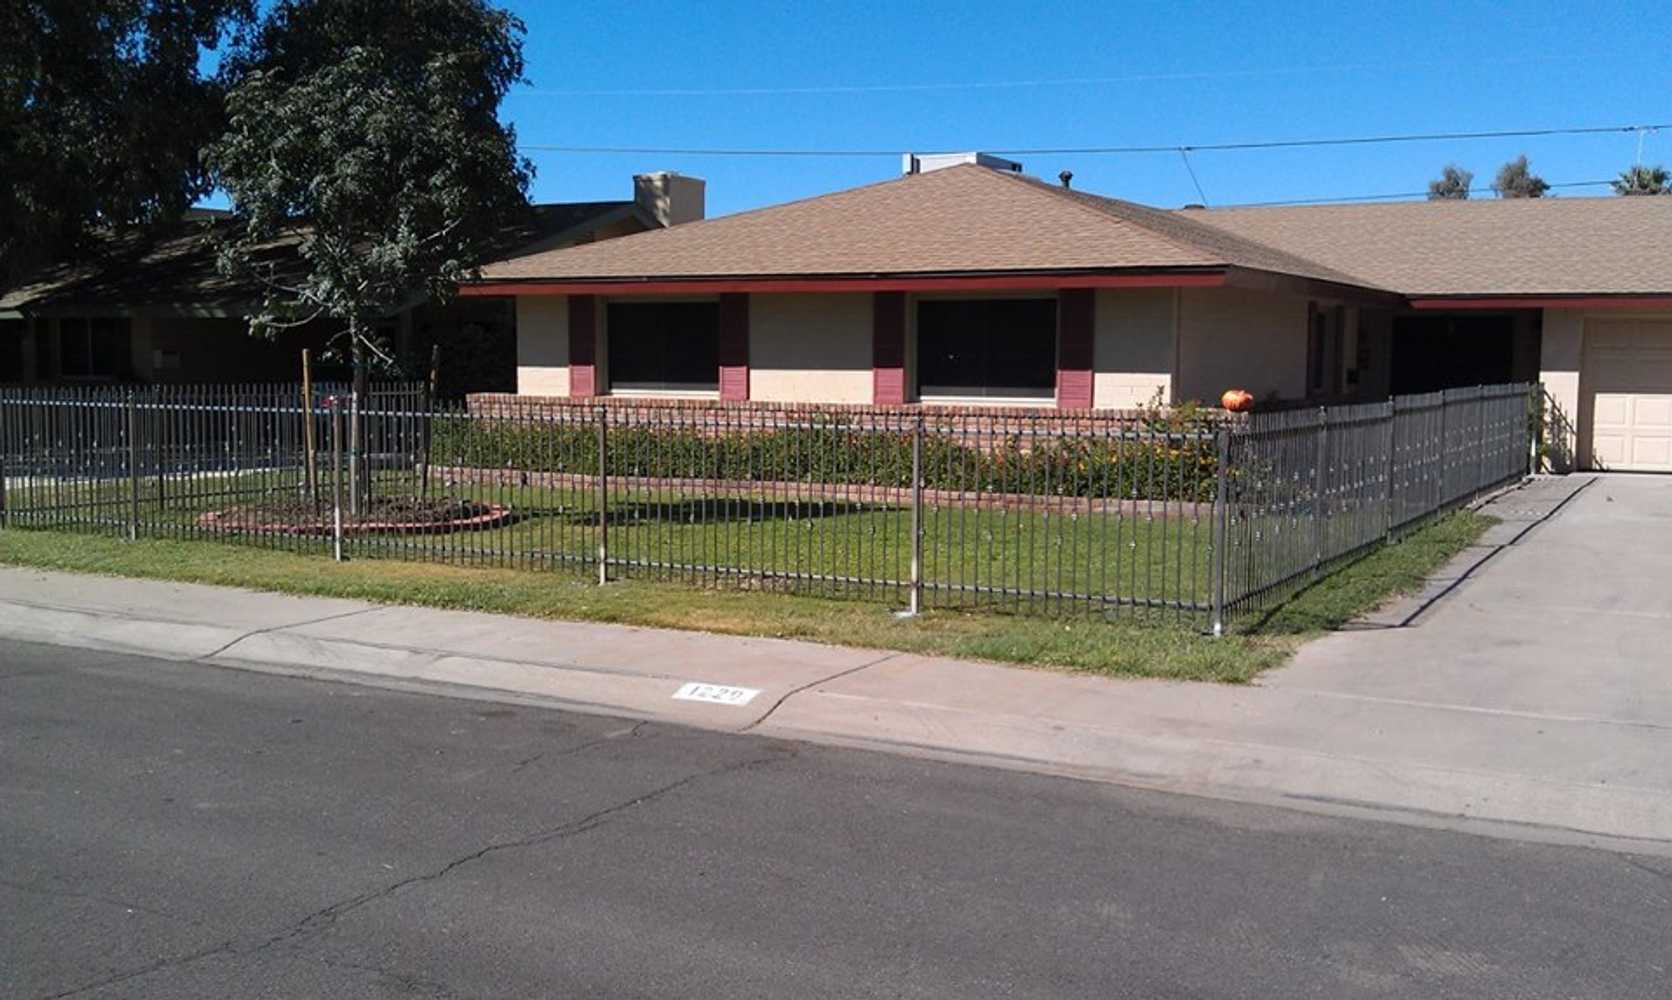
719	694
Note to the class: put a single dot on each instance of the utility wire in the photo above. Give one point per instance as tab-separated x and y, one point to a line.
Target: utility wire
1392	197
1113	150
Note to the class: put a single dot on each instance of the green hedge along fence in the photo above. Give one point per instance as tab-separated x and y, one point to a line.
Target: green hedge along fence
1162	464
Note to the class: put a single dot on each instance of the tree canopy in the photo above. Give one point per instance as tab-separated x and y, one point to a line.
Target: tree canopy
1452	185
1643	180
103	112
1516	180
368	133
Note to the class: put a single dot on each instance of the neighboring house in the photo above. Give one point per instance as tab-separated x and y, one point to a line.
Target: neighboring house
974	284
154	308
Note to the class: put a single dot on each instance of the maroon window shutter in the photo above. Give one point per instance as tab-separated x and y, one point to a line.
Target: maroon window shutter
583	345
888	349
734	346
1074	348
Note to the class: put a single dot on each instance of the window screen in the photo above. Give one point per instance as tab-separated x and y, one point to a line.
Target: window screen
664	345
987	347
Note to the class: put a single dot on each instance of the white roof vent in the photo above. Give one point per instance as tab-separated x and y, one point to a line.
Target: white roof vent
922	163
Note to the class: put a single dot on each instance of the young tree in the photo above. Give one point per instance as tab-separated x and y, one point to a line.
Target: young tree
103	112
1453	184
1516	180
367	133
1643	180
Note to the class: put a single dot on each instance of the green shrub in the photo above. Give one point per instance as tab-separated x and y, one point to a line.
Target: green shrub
1170	461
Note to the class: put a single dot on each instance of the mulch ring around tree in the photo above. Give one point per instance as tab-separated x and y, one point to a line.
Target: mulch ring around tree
383	515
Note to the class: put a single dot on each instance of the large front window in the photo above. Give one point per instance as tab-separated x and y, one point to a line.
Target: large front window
669	346
987	348
97	348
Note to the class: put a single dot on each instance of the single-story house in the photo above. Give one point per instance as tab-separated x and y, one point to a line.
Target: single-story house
967	282
153	308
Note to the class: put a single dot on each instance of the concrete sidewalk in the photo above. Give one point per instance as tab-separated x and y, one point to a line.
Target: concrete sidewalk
1320	735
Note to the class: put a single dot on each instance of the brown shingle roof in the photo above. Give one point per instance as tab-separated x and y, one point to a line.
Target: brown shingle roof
1529	246
175	267
959	220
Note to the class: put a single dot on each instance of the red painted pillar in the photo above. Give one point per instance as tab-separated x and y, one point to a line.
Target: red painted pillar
888	348
583	345
734	346
1076	309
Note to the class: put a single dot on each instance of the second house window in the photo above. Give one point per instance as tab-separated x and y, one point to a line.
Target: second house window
670	346
988	348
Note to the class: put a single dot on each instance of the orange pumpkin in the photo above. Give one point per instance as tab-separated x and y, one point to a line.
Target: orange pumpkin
1237	400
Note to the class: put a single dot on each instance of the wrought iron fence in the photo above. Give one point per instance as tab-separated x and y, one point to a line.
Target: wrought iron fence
1117	514
1308	489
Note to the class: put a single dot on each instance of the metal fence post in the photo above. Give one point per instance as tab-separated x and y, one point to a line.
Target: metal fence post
1480	440
1393	464
916	595
133	468
1318	484
603	496
1221	527
159	430
6	442
1443	494
336	478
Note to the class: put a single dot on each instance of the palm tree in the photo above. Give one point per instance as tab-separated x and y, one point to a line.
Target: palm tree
1644	180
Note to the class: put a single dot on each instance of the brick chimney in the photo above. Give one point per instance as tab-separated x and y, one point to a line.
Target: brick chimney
671	198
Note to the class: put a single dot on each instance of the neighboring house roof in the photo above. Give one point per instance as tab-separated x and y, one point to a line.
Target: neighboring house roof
1514	246
958	220
174	270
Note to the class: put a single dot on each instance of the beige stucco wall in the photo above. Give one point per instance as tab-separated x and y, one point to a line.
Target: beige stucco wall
543	345
1561	354
1133	347
810	348
1241	338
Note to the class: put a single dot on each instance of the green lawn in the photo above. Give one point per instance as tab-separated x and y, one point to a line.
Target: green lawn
1123	646
991	557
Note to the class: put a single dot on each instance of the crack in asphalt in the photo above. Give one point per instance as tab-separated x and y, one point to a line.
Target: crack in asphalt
144	970
326	916
406	983
39	890
611	737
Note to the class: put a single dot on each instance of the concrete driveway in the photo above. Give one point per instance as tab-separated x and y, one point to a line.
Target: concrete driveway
1568	619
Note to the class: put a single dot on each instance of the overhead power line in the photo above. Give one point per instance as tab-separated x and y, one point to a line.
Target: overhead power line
1396	196
1174	148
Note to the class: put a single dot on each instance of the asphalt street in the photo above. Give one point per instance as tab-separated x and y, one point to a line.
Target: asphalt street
181	830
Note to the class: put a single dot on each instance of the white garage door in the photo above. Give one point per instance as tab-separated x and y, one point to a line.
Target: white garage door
1628	374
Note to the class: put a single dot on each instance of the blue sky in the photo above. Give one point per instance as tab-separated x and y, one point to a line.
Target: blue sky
665	74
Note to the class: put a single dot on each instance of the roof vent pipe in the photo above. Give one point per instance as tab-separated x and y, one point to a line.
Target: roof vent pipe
1067	178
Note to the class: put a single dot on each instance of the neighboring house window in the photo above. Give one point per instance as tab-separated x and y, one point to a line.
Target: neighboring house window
993	348
670	346
97	348
11	350
1326	343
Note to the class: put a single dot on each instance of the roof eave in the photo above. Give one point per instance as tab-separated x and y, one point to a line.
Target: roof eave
1544	300
1195	277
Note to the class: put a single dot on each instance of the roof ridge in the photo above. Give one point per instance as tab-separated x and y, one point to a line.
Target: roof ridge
1093	202
1067	194
705	222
